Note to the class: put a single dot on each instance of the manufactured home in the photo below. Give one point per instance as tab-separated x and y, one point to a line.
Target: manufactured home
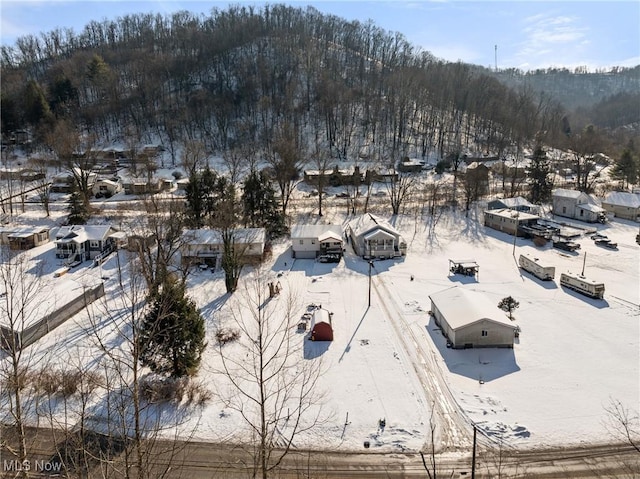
536	268
583	285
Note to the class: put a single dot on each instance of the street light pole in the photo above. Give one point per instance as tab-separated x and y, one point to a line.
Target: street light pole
370	265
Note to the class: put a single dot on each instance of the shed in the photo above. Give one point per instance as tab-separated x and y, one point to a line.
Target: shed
321	328
623	205
468	319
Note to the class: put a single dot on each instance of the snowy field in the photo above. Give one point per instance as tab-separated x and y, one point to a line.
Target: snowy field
574	354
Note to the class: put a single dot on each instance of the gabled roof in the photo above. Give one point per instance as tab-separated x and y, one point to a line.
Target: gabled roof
567	193
82	233
461	307
367	222
209	236
314	231
330	235
590	207
621	198
515	201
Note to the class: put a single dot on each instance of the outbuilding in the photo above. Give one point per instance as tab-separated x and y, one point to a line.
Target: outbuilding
468	319
321	327
623	205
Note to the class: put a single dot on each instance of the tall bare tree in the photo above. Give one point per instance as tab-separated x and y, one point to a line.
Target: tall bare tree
272	387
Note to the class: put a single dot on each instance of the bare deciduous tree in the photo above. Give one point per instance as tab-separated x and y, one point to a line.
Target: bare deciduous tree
272	387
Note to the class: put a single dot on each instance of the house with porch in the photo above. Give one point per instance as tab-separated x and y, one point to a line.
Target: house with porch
311	241
85	242
373	237
577	205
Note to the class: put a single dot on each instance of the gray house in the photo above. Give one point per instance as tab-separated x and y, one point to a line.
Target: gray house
310	241
623	205
517	203
373	237
84	242
577	205
469	320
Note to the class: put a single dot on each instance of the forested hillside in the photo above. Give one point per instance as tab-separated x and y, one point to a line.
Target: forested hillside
249	78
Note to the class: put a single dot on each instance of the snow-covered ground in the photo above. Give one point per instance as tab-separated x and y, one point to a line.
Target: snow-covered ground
574	354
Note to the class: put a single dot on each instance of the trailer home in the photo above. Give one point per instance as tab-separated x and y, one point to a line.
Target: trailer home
539	270
582	285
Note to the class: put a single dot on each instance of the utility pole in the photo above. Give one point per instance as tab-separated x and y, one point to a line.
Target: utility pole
496	56
370	265
473	458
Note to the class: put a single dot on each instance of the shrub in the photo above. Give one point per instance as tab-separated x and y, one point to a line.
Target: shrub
157	390
227	335
198	394
69	381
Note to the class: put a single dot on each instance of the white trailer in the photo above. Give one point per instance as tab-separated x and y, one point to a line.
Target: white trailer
583	285
539	270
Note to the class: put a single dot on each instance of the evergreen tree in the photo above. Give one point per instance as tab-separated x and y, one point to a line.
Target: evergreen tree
260	206
540	176
36	107
627	168
78	210
509	305
172	333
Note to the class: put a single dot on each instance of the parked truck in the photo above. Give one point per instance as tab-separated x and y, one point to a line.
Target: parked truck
536	268
582	284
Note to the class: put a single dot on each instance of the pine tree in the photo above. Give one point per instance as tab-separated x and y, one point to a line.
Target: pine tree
260	206
627	168
540	175
509	305
172	334
78	211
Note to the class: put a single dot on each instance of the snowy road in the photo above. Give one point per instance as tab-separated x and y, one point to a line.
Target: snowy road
453	430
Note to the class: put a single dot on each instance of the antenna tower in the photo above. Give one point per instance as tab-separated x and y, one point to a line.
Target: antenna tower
496	56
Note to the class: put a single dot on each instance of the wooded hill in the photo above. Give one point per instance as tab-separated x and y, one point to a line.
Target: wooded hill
245	77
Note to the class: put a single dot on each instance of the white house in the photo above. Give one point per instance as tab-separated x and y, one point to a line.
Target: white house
373	237
577	205
469	320
310	241
508	220
83	242
205	246
517	203
103	187
623	205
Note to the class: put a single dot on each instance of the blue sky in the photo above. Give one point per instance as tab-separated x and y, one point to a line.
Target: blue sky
529	34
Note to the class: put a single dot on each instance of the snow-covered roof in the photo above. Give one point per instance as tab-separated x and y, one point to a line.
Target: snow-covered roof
508	213
82	233
591	207
314	231
330	235
567	193
515	201
363	224
209	236
621	198
461	307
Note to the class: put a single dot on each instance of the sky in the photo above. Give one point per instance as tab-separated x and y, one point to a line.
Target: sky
510	34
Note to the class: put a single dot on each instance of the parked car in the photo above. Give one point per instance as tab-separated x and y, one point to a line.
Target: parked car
329	258
607	243
566	245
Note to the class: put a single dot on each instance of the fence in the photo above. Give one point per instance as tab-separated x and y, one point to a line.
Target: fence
51	321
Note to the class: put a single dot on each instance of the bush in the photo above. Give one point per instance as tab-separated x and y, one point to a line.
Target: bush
227	335
157	390
69	381
198	394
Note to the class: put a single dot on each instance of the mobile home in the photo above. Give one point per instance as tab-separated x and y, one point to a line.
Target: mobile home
539	270
583	285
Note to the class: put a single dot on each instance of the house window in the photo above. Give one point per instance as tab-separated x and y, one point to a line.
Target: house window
94	244
313	241
564	209
485	333
301	241
581	212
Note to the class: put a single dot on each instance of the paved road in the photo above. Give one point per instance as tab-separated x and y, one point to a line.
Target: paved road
201	460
